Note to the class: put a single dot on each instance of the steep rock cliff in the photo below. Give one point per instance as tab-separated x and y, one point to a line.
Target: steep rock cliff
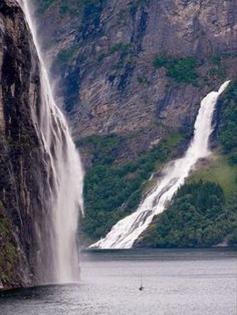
105	53
24	172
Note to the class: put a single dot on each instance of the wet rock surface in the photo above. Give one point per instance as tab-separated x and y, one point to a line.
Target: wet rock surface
23	162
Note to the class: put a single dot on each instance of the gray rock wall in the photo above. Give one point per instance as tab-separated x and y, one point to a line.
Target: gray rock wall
104	52
23	162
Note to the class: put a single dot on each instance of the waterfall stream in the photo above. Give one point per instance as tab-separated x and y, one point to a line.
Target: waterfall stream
126	231
65	184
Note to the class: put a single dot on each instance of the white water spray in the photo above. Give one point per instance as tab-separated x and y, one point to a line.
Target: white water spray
66	180
127	231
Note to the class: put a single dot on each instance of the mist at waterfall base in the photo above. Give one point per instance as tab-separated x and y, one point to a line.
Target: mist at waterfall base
58	248
176	282
126	231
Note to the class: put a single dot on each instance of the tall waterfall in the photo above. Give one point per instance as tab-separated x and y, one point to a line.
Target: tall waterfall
127	231
59	235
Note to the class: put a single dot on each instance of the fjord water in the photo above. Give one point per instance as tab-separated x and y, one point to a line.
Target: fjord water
126	231
177	282
57	237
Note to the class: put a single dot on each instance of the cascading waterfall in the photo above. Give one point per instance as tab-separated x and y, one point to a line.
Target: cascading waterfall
127	230
65	183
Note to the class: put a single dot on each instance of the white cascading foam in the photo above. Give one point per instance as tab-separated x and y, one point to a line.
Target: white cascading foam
67	173
126	231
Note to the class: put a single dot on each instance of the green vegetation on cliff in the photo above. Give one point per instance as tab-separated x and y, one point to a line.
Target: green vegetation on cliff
182	70
198	217
228	122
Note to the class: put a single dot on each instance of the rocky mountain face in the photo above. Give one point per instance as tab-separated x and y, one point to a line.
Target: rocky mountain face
23	162
109	56
131	75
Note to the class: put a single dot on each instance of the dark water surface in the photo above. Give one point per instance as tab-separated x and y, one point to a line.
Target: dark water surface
183	282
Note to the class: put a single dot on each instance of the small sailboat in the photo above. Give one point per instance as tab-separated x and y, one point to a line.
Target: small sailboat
141	288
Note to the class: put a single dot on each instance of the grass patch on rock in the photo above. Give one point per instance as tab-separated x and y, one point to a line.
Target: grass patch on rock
219	171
